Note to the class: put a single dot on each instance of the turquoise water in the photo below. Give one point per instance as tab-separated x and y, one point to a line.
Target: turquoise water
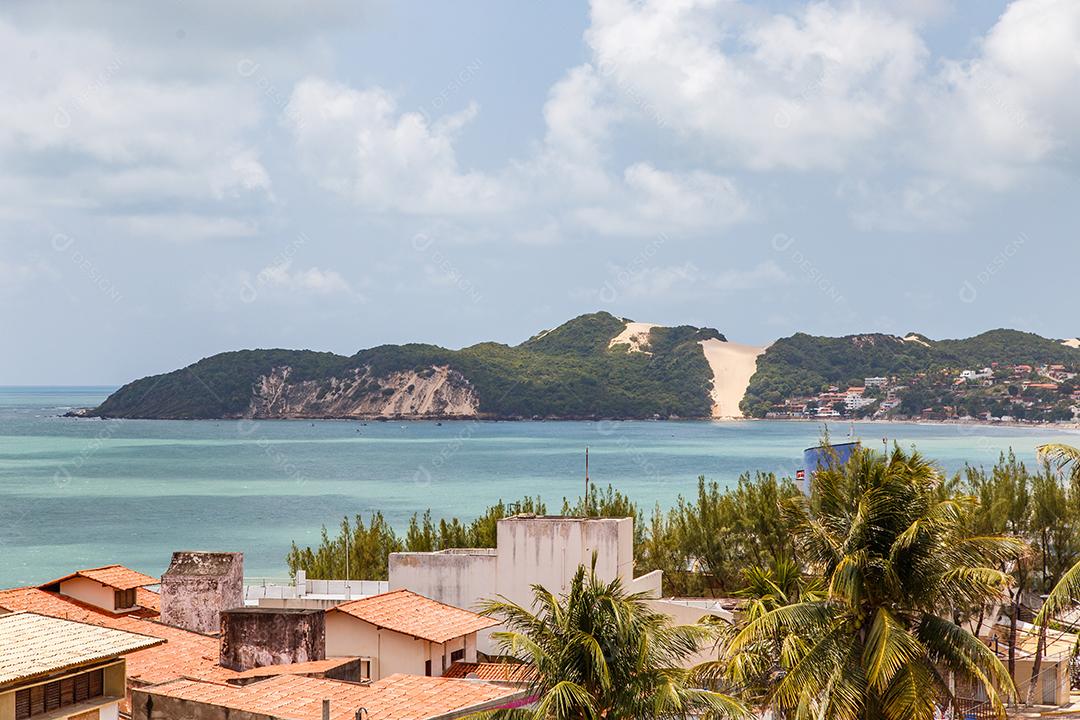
80	493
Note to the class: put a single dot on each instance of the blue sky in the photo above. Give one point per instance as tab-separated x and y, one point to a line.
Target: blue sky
179	179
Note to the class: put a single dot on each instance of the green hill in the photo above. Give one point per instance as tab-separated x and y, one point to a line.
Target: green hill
803	364
568	372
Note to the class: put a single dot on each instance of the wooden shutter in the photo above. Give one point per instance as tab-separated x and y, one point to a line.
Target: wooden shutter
82	687
97	683
52	696
67	691
37	699
22	704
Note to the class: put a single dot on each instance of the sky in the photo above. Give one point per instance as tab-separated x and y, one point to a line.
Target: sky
187	177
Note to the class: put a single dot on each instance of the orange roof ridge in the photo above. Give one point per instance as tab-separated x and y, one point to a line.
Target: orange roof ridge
392	698
410	613
115	576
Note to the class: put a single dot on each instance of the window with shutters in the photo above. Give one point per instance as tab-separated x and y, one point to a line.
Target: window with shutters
123	599
59	693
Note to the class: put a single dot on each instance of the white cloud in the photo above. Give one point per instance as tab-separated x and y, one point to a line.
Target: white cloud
89	128
312	280
801	90
357	143
1013	107
653	201
763	275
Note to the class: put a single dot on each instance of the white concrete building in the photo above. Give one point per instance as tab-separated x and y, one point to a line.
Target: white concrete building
403	632
533	550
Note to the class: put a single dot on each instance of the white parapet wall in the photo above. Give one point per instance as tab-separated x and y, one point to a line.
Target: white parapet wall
530	550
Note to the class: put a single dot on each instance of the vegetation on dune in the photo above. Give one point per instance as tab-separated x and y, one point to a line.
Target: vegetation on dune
601	652
569	372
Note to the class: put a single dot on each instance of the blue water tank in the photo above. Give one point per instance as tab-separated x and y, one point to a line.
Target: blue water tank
819	457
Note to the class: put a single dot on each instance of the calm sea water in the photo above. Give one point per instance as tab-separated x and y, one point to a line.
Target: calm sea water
80	493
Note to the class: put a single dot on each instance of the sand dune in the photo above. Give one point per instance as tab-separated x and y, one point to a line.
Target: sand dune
636	335
732	365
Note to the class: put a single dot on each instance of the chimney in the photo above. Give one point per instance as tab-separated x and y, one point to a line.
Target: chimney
254	637
198	586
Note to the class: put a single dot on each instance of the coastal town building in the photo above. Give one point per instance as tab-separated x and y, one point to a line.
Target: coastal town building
304	592
365	639
532	549
403	632
1052	684
114	588
53	669
291	697
177	652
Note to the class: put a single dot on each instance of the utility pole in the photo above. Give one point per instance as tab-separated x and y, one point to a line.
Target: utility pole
586	480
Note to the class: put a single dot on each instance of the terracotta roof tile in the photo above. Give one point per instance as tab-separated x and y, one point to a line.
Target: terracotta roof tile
114	576
312	667
33	645
148	599
398	697
406	612
56	605
185	653
493	672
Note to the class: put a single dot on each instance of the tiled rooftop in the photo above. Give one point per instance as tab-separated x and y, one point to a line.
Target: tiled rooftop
57	605
406	612
33	645
312	667
114	576
398	697
493	672
185	653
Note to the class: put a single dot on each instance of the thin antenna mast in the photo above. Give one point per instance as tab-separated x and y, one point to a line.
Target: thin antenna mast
586	479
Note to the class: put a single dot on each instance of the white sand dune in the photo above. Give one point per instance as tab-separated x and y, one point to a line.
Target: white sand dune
732	365
1072	342
636	335
917	340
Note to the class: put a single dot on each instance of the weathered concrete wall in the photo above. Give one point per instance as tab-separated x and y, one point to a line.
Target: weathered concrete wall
198	586
549	550
462	578
545	550
459	578
257	637
156	707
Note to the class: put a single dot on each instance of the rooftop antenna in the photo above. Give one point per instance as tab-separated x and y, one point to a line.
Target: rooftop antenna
586	479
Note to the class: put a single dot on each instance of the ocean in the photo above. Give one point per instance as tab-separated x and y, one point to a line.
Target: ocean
78	493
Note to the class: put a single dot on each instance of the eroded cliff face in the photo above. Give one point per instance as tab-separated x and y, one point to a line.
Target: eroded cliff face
435	392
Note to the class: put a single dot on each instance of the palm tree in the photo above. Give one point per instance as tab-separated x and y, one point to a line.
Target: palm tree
896	561
1067	589
759	666
600	652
